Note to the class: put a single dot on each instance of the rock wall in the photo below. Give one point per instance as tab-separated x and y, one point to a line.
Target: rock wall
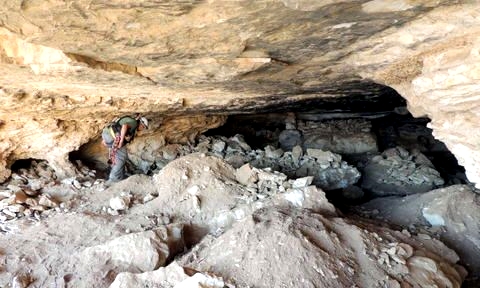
433	63
69	67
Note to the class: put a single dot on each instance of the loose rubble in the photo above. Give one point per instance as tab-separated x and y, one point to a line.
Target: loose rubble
242	227
34	191
239	216
327	168
322	252
450	213
398	172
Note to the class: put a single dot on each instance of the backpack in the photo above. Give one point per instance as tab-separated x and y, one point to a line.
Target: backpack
116	127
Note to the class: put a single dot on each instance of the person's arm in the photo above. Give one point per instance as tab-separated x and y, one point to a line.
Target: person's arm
123	132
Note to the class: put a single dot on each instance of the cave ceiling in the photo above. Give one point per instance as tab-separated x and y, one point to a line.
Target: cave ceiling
69	67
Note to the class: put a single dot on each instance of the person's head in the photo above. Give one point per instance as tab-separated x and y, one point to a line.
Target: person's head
143	123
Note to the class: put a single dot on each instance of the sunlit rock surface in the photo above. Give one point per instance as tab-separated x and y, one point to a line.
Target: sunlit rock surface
70	67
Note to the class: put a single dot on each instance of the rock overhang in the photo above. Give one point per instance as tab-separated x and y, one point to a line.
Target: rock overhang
70	68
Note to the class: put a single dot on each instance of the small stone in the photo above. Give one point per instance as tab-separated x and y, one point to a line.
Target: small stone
5	194
47	201
289	139
87	184
193	190
218	146
271	152
31	202
38	208
391	251
148	198
404	250
76	184
302	182
13	188
196	203
28	212
16	208
238	138
20	197
9	213
30	192
323	156
297	153
246	175
120	203
112	212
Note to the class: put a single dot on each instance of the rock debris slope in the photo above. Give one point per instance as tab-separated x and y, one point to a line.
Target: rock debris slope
193	222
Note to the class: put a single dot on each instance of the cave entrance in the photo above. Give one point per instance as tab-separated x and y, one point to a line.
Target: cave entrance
93	156
24	164
33	168
394	153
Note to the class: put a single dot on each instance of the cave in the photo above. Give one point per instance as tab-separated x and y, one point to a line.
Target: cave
24	164
292	143
372	123
384	115
373	119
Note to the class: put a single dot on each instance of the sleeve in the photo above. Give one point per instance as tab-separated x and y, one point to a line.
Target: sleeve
131	122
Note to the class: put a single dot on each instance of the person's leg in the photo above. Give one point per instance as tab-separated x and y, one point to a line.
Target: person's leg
118	168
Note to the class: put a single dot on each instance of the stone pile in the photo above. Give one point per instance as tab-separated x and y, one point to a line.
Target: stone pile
399	172
328	170
273	185
310	148
25	193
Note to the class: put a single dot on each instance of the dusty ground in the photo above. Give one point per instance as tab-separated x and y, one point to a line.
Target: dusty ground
293	238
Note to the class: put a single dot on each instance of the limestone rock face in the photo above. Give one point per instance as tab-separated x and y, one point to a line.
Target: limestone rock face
68	68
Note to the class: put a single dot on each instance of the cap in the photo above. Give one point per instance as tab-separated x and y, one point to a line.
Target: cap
144	121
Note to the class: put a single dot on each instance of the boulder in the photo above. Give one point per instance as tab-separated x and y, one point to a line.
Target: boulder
289	139
136	252
172	276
